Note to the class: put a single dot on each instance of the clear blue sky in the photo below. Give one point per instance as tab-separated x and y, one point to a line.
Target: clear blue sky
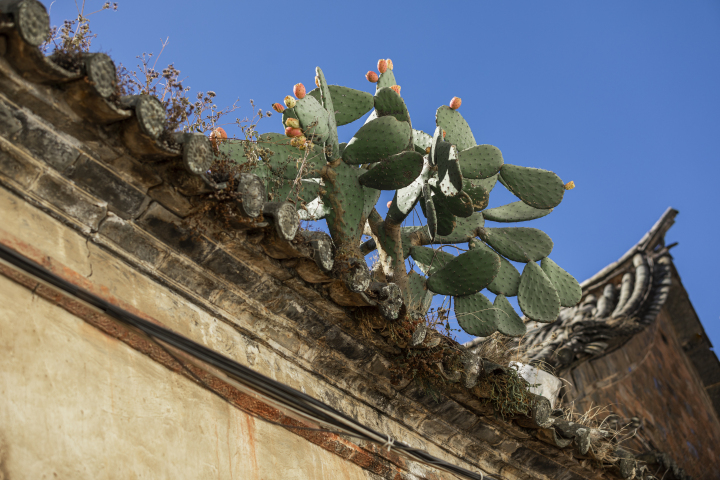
621	97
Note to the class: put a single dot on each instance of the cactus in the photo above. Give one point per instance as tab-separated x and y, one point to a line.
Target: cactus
444	172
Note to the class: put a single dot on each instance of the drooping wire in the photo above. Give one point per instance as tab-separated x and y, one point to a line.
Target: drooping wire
271	390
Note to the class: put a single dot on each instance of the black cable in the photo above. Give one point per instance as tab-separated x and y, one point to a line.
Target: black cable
278	392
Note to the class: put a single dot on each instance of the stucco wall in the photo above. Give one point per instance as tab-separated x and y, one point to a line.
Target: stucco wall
78	404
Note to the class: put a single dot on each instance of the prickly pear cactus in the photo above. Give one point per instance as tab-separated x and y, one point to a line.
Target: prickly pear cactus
446	174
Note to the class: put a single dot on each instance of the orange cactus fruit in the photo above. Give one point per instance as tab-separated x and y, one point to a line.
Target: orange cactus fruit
217	136
444	133
299	90
428	150
389	64
290	102
389	203
292	122
382	65
293	132
278	107
396	88
317	82
371	76
455	103
569	185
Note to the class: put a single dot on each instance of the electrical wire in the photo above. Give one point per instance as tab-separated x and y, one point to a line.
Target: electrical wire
239	376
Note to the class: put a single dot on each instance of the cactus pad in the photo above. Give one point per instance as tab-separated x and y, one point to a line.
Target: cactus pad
396	172
446	221
406	198
476	315
377	140
437	138
515	212
507	280
480	161
286	159
313	119
350	104
332	142
467	273
421	141
419	297
429	260
537	296
451	179
344	198
386	79
508	321
567	287
461	205
538	188
388	102
431	216
475	189
519	244
465	229
457	130
306	191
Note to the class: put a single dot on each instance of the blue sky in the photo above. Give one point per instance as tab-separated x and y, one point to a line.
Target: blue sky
621	97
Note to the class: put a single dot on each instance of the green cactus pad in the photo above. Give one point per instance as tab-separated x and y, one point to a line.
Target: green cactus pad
370	199
288	113
341	147
306	191
465	229
327	103
431	216
350	104
487	183
436	139
234	150
313	119
567	287
377	140
286	159
537	296
538	188
507	280
386	79
387	102
515	212
315	93
421	141
476	315
446	221
344	199
519	244
467	273
429	260
396	172
456	128
419	297
406	198
460	205
480	161
479	196
508	321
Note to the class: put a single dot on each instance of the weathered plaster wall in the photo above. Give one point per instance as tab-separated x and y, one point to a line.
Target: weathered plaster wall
78	404
651	377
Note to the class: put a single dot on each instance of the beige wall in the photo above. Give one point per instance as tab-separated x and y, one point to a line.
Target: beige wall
76	403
